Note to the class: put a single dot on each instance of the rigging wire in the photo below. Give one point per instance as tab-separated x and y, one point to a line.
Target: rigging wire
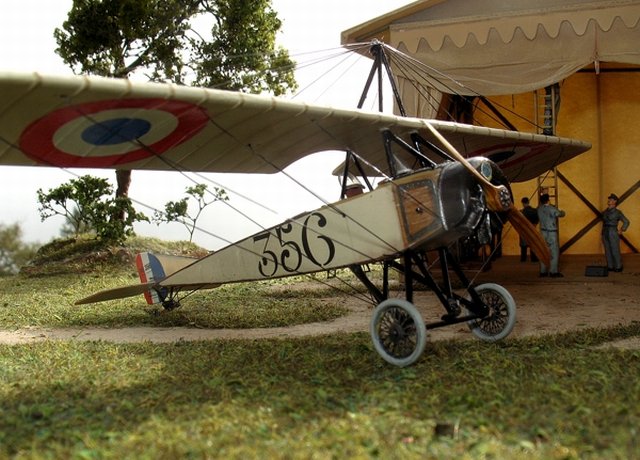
337	78
307	189
350	52
345	57
298	182
411	67
420	68
176	167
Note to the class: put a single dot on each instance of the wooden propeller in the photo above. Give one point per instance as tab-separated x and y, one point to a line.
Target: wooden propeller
499	200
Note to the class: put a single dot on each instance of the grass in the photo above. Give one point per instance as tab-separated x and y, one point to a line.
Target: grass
49	302
553	397
66	271
327	397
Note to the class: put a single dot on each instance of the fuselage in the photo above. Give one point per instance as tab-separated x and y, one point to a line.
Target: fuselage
425	209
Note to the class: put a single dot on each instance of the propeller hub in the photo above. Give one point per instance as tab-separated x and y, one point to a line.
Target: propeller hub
505	197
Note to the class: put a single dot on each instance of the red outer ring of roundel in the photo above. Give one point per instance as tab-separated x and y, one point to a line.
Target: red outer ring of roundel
36	140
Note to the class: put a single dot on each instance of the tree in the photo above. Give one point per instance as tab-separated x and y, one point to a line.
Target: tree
115	38
85	203
74	225
178	211
14	253
242	54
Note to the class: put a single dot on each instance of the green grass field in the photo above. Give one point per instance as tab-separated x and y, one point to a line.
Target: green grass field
328	397
555	397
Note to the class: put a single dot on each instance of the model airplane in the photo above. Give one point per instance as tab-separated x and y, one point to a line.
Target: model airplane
440	183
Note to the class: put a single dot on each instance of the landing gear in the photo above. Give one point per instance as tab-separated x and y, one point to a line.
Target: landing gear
398	332
170	304
500	320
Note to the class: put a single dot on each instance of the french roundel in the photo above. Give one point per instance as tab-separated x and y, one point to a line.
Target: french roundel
110	133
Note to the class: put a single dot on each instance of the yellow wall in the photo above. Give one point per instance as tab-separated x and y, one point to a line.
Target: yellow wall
603	109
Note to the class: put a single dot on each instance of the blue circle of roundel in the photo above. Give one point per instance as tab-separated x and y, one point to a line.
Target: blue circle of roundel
116	131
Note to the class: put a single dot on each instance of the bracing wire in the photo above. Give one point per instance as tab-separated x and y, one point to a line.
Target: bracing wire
423	72
407	65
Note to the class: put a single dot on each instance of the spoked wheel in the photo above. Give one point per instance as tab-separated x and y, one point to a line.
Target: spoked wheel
398	332
502	313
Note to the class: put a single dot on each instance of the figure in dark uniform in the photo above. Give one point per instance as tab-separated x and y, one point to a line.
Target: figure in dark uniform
548	215
531	214
611	233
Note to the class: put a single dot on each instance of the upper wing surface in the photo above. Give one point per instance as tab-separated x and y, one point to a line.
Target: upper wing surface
94	122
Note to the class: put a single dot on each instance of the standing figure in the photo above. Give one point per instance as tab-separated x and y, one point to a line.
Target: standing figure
531	214
548	216
611	233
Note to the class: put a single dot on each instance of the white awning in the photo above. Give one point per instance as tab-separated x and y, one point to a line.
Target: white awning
509	46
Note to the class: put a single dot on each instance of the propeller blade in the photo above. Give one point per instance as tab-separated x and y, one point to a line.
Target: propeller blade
530	234
499	199
497	196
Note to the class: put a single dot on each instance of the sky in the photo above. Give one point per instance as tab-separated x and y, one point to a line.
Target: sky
256	201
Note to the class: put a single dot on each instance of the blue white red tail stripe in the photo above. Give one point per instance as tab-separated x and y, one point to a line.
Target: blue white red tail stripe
150	271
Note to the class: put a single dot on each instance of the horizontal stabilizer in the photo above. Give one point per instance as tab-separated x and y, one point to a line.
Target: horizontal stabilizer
117	293
152	268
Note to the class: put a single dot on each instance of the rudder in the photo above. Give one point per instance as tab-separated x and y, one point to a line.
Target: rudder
150	270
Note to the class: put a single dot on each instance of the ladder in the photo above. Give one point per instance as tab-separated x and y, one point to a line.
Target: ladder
548	183
546	105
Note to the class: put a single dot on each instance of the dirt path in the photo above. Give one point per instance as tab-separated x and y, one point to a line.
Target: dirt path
543	306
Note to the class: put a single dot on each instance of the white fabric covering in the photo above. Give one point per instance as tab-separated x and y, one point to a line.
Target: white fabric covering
510	46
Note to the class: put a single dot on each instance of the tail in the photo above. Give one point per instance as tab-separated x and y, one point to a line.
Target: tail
152	269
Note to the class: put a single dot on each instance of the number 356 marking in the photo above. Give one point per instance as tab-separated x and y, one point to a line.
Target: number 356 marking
289	252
